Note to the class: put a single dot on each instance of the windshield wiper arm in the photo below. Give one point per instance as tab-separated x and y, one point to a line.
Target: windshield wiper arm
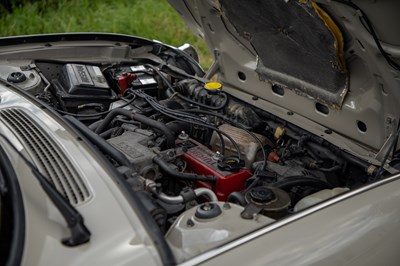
80	234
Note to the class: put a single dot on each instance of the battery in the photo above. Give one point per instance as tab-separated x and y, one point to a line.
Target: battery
142	78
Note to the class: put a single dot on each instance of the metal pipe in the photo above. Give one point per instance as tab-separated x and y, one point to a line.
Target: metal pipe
179	199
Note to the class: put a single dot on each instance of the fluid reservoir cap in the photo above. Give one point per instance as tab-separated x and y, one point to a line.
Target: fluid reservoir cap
231	164
213	87
16	77
262	195
270	199
208	211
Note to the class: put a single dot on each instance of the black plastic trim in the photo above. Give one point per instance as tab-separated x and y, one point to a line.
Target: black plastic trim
62	37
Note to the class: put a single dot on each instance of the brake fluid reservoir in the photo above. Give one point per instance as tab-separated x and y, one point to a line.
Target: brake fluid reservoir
209	225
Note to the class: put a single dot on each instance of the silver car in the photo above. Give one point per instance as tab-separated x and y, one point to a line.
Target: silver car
117	150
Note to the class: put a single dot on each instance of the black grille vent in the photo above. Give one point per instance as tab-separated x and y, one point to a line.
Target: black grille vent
48	156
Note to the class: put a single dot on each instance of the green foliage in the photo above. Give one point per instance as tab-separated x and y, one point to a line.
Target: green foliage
153	19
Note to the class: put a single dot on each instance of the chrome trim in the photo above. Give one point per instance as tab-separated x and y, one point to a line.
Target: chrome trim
247	238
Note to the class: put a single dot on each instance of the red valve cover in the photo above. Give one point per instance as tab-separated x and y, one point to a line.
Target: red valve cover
203	161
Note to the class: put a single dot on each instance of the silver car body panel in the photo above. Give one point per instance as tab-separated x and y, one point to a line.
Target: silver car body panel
118	236
356	228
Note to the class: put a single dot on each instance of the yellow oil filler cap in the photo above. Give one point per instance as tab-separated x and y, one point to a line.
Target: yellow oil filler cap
213	87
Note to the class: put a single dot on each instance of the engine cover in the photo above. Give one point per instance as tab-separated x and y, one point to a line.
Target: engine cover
203	161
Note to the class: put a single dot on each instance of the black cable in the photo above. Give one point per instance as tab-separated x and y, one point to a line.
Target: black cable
368	26
159	107
380	170
294	181
169	85
219	132
215	108
172	113
171	172
180	75
185	117
170	138
96	114
236	125
396	139
221	138
161	76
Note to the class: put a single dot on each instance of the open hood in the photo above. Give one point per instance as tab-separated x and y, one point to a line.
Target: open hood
316	61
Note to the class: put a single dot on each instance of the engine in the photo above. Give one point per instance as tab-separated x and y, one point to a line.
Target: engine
182	141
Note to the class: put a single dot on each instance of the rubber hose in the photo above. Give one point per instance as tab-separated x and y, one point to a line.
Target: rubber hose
178	126
103	145
236	197
107	134
179	199
138	117
170	171
94	125
293	181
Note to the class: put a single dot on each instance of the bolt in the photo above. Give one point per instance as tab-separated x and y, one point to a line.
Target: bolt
150	143
226	206
246	215
207	206
183	135
189	223
217	156
171	154
255	217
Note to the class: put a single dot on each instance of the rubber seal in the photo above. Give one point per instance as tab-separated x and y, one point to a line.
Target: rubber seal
16	77
208	211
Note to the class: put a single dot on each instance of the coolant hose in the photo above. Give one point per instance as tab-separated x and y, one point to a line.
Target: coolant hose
237	197
293	181
94	125
180	199
103	145
178	126
167	169
138	117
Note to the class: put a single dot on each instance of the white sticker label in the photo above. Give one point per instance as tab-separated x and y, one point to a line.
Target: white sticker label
148	81
97	71
138	68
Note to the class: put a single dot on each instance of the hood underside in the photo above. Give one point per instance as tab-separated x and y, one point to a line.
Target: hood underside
297	44
315	59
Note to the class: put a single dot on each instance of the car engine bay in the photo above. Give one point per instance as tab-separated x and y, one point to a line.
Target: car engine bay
196	156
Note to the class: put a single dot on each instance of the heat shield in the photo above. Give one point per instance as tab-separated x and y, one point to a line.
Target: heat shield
297	43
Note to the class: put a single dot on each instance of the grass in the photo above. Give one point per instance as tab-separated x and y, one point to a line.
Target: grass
152	19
